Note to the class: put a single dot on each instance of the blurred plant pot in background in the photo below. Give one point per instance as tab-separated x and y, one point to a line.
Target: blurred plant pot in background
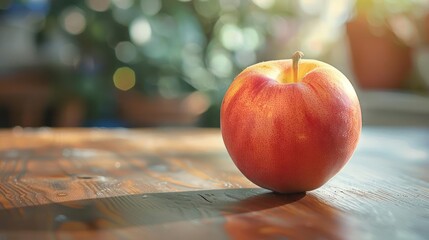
379	59
139	110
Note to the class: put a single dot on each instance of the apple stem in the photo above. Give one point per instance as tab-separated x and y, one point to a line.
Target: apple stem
295	62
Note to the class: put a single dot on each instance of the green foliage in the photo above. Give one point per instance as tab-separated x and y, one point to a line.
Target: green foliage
174	47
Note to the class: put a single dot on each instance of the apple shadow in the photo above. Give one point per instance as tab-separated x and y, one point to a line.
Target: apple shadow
141	209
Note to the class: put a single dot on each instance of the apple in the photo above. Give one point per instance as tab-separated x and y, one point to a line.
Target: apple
290	125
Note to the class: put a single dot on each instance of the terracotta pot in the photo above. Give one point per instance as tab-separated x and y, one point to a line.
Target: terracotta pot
379	60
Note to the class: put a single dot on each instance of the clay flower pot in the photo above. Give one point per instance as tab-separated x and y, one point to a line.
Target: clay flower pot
379	59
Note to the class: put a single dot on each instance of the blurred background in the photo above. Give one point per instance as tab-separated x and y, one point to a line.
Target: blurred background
145	63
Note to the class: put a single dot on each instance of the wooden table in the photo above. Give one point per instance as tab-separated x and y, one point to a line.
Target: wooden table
181	184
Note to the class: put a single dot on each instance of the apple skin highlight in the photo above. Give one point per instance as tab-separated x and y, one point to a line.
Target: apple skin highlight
290	135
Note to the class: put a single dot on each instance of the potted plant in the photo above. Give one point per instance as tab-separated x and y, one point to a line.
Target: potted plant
381	38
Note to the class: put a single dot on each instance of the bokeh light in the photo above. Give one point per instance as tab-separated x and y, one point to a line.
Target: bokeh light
124	78
231	37
74	21
98	5
235	38
140	31
126	52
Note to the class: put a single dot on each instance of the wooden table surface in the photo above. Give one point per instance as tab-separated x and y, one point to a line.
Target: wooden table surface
181	184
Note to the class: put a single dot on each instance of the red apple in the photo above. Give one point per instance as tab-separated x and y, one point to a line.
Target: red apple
290	125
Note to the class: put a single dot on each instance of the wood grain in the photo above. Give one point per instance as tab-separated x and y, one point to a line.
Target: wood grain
181	184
